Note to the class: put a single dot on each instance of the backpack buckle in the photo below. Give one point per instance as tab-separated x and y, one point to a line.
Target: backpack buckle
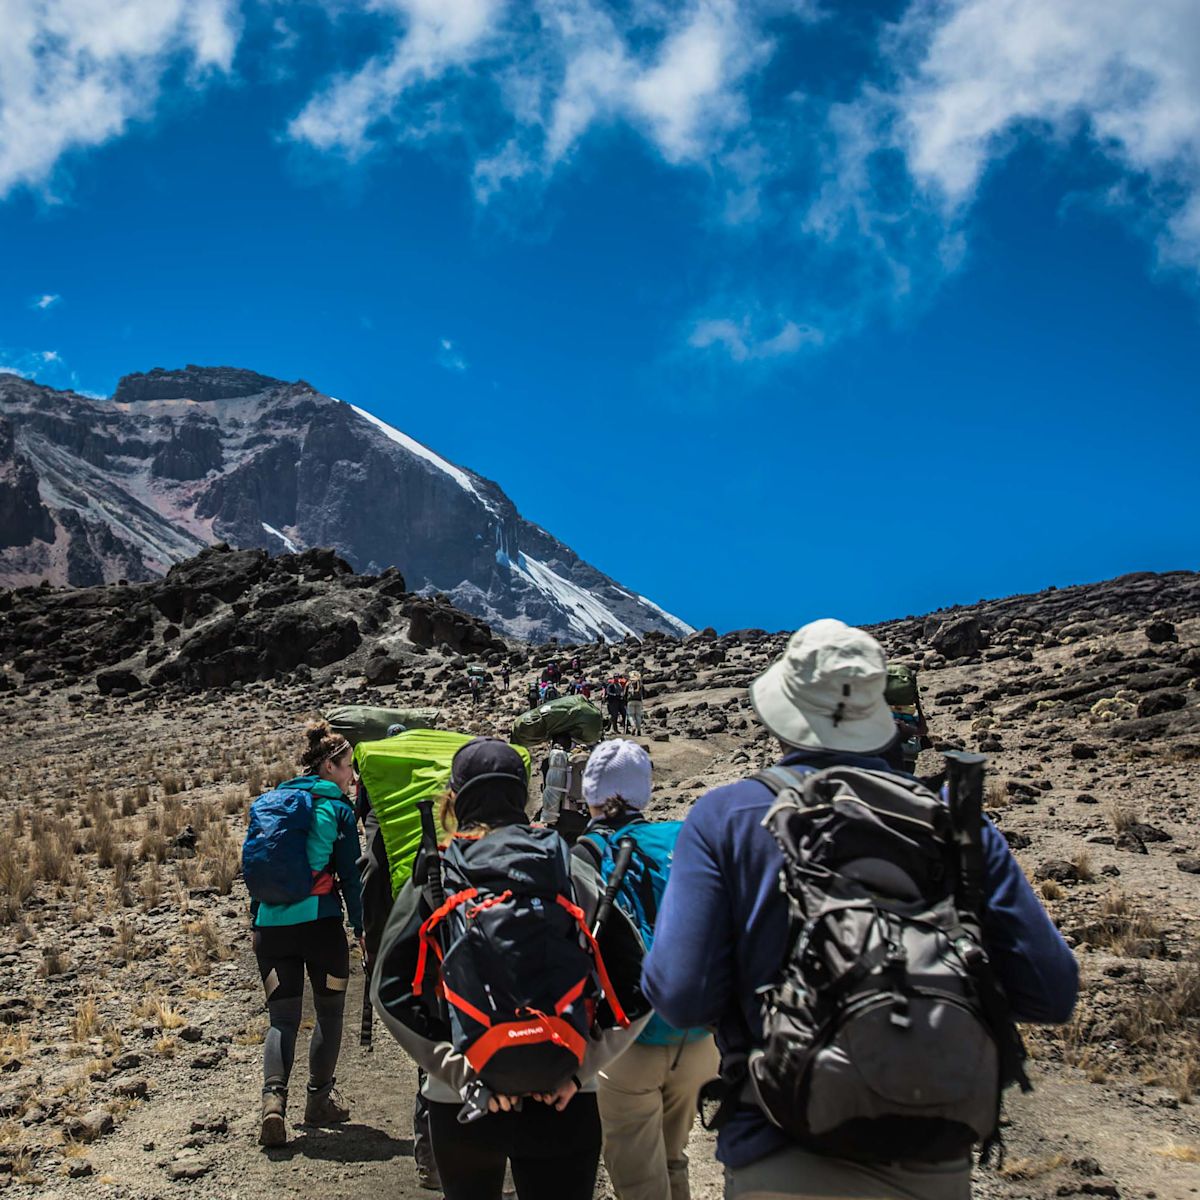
900	1017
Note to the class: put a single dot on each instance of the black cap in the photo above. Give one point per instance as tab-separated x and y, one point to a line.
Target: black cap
486	758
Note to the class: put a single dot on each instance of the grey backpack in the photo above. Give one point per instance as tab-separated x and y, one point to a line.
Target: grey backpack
886	1034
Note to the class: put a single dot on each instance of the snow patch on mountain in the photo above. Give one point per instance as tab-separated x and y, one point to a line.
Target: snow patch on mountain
414	447
287	541
682	626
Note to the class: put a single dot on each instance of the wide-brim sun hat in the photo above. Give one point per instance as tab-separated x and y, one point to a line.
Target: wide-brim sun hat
825	692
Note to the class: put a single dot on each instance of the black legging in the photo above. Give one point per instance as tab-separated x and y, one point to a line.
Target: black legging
284	953
554	1155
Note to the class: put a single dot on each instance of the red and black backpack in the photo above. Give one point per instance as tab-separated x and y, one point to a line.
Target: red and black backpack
511	953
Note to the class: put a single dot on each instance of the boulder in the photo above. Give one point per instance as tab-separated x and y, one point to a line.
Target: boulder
960	637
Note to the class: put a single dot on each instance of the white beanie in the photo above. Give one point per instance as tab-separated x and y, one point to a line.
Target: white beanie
617	767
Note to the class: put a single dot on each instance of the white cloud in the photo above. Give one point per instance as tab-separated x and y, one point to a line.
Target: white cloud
974	76
450	357
43	302
74	73
524	82
742	342
50	356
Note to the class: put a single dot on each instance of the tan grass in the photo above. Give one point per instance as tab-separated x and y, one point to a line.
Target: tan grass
1082	862
1032	1168
1178	1152
1051	890
86	1022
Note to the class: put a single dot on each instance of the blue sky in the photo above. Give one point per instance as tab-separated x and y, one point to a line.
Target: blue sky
772	310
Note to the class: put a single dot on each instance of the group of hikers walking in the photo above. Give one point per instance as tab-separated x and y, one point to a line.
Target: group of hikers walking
622	695
827	958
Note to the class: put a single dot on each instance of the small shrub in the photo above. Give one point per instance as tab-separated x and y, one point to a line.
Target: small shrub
54	961
86	1023
1051	890
1082	862
1122	816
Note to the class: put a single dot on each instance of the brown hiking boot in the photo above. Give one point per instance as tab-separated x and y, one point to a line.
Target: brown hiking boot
273	1131
324	1106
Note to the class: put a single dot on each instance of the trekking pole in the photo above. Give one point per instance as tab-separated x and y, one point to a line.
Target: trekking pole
625	848
367	1027
428	869
965	789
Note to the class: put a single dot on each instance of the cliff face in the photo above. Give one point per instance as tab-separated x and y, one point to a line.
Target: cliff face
92	491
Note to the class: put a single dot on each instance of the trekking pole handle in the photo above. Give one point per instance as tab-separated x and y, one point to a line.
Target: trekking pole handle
625	848
429	848
964	773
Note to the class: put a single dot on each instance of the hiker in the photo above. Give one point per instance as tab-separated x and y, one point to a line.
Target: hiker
377	905
534	693
308	935
614	702
903	696
648	1095
550	1137
723	932
505	675
636	699
562	790
474	688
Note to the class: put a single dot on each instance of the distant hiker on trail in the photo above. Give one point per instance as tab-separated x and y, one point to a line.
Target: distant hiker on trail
474	687
487	1106
534	693
903	695
562	791
505	675
648	1095
302	840
614	701
890	873
635	694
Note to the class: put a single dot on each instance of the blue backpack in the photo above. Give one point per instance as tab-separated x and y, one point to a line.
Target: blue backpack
275	852
641	893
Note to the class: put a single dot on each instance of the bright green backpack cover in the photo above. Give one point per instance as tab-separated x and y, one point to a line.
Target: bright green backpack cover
574	715
399	771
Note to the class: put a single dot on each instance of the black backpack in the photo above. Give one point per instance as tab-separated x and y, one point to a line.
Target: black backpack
511	952
886	1036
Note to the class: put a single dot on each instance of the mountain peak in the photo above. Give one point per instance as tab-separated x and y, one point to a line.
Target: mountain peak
193	383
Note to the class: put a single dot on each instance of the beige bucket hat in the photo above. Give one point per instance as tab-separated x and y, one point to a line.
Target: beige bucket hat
825	691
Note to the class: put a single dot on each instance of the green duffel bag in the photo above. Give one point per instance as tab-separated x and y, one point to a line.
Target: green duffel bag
901	688
399	771
573	715
360	723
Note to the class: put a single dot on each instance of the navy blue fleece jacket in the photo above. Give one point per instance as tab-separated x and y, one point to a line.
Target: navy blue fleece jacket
722	933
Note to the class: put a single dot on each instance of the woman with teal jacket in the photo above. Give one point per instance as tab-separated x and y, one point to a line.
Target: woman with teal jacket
308	936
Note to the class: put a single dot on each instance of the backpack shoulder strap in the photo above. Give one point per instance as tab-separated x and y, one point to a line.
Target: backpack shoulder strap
782	779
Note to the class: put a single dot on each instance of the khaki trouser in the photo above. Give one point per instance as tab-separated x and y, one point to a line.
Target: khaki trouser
796	1174
647	1105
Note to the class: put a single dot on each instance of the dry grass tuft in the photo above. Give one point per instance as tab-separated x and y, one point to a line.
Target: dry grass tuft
1051	890
1082	862
1032	1168
1122	816
1178	1152
86	1023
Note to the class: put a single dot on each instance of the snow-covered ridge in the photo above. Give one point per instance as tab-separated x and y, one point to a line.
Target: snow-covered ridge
682	626
414	447
287	541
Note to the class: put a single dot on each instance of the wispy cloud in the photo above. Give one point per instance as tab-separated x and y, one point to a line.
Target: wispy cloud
44	366
450	357
74	73
742	342
46	301
545	73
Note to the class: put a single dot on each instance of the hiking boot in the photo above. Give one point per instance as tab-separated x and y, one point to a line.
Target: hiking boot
323	1106
273	1131
428	1177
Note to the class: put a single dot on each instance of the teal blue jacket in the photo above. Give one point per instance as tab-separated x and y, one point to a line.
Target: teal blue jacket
332	847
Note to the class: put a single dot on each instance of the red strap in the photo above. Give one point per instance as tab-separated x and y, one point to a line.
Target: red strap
518	1033
609	991
322	883
571	996
500	899
466	1006
427	939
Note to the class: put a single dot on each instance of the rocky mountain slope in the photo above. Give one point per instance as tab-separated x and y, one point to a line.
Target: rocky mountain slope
131	1013
93	491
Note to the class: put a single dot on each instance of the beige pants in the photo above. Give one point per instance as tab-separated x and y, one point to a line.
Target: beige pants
647	1105
796	1174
